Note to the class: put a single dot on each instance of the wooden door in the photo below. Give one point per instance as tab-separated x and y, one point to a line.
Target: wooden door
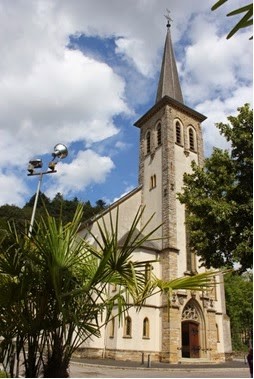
190	340
194	340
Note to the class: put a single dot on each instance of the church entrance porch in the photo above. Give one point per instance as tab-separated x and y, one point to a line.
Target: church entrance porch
190	340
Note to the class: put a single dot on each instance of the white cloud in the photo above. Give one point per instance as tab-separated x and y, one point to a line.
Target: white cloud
88	167
122	145
217	111
212	68
71	99
13	188
134	50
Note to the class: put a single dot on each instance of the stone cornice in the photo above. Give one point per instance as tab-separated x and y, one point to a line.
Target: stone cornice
166	100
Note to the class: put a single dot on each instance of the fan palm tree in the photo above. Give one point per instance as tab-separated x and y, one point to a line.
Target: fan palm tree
54	290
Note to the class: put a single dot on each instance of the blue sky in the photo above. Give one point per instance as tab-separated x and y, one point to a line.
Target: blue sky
82	72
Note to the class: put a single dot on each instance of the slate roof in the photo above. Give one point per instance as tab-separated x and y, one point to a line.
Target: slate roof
169	84
151	245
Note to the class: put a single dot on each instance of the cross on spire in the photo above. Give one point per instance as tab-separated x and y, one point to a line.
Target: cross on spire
168	18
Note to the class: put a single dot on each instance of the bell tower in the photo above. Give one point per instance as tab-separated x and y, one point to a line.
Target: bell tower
170	139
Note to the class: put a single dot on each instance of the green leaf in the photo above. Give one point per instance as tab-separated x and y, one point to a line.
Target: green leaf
218	4
243	23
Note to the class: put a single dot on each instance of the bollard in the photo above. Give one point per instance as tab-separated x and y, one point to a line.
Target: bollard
143	358
149	360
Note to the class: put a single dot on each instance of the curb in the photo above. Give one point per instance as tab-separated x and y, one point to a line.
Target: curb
172	369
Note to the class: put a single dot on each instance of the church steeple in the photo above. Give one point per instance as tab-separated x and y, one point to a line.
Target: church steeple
169	83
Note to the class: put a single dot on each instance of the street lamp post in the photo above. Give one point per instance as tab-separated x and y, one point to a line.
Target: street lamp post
60	152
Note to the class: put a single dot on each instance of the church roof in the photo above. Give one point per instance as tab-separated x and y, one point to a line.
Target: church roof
137	236
169	84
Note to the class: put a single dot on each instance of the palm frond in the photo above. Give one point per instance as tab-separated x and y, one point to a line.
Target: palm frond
198	282
218	4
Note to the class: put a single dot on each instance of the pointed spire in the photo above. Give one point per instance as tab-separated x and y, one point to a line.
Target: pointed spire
169	83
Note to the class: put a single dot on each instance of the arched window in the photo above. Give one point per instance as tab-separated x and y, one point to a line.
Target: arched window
215	288
148	142
148	269
152	182
217	333
159	134
190	253
192	141
127	326
146	331
178	131
112	328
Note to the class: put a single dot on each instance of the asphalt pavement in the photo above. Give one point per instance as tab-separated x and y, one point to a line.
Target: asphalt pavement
109	368
237	364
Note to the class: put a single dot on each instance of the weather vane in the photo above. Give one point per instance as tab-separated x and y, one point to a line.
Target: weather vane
168	18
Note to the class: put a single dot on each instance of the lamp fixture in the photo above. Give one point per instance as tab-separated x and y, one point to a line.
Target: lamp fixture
60	152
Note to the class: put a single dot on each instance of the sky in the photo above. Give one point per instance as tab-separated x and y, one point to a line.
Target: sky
81	72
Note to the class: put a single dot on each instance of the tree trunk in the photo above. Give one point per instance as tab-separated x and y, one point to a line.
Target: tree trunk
56	369
58	363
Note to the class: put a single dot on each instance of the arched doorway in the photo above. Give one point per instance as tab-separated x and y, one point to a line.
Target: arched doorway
190	332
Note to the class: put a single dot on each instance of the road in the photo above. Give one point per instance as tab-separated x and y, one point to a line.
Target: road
80	370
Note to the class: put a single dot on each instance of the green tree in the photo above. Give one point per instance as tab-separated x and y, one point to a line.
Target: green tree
101	204
218	198
245	21
88	211
43	201
10	213
57	207
61	208
239	301
42	204
54	290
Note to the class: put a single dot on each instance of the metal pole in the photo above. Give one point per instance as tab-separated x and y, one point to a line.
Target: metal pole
35	205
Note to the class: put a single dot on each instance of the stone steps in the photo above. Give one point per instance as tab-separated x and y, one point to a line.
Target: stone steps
192	361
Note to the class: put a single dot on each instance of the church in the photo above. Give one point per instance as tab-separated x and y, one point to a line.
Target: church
195	326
